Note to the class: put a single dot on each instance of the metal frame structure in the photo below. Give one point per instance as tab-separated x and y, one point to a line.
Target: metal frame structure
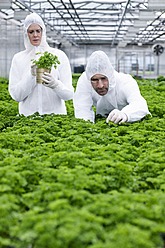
114	22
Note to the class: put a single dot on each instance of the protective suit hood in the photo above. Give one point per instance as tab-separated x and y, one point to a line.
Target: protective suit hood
99	63
34	19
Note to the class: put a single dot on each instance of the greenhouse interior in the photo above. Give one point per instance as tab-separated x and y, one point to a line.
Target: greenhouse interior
68	182
131	32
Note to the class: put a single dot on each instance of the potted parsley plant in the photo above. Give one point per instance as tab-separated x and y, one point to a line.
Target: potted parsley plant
44	64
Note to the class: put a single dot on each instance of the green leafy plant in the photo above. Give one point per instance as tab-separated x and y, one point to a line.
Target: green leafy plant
46	60
160	78
68	183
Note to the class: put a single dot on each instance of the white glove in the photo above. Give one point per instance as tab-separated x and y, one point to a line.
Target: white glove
33	70
49	81
117	116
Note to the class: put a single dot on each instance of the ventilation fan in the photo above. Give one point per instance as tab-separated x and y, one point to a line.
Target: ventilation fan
157	49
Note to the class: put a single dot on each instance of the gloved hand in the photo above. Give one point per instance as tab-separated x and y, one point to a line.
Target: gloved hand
49	81
33	70
117	116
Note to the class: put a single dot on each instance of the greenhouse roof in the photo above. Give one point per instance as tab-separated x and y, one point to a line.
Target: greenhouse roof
114	22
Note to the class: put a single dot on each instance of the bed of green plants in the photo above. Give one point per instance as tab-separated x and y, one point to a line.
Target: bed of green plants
67	183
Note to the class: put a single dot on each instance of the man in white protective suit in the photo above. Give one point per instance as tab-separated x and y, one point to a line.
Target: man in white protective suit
116	96
50	96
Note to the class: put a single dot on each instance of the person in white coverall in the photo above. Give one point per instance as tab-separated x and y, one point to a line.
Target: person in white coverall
116	96
50	96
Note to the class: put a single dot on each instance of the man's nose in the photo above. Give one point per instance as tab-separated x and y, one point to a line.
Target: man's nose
100	83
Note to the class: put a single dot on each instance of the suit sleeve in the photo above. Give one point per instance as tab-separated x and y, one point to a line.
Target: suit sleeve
21	82
136	107
65	89
83	100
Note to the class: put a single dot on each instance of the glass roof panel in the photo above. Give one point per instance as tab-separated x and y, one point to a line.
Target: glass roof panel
107	21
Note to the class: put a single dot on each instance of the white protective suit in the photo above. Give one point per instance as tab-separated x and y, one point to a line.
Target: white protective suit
33	97
123	93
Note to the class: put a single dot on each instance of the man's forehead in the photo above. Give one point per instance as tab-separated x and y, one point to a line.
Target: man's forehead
98	76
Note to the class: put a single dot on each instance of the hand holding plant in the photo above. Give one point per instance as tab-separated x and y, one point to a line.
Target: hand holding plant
49	81
44	64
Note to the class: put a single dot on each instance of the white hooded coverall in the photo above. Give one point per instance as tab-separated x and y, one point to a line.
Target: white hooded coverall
33	97
123	93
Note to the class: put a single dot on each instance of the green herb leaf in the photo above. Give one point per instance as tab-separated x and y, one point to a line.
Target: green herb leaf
46	60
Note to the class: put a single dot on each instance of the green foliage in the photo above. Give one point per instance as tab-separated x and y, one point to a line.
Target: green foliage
75	77
47	60
67	183
160	78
